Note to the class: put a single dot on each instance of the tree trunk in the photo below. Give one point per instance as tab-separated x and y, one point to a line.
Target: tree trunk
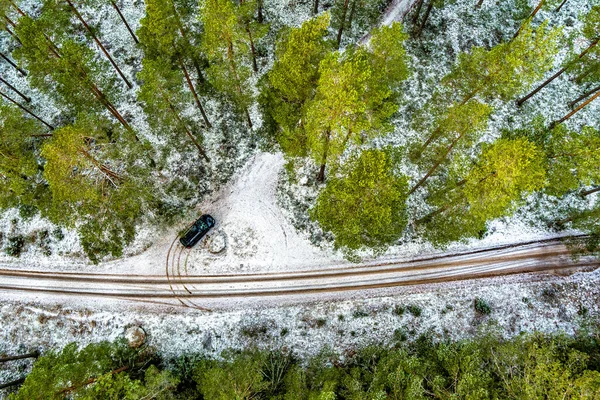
33	354
10	32
315	7
186	129
260	17
87	27
230	57
342	23
15	66
191	86
425	17
569	115
583	96
321	176
351	16
535	11
556	75
12	383
26	98
91	380
431	214
591	191
435	167
415	17
27	111
560	6
112	2
479	4
252	49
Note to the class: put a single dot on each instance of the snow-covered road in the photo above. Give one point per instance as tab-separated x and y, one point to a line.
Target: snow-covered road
176	287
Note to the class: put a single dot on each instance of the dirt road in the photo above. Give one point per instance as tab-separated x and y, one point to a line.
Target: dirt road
177	287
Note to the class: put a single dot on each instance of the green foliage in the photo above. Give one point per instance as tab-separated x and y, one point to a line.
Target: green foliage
20	176
389	56
505	172
358	17
573	159
507	69
530	366
91	180
226	42
349	106
56	374
14	245
293	79
366	206
156	385
60	66
239	378
482	306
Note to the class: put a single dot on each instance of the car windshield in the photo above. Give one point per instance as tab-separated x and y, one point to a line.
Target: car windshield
201	225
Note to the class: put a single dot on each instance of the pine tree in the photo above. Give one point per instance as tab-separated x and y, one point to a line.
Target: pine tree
359	13
162	96
75	74
162	37
499	73
293	79
226	42
573	159
20	176
91	179
57	374
349	105
366	206
584	62
505	171
92	33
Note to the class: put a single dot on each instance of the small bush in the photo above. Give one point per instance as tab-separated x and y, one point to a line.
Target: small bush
398	310
284	332
414	310
321	322
58	233
400	335
254	331
14	245
341	317
482	306
360	313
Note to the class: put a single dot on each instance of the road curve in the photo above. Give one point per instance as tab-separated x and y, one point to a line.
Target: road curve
177	287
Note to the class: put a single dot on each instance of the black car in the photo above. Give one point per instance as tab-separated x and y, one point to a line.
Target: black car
197	231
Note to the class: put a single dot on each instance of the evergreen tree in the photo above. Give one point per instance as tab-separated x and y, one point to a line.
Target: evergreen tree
57	374
226	42
573	159
358	14
163	38
499	73
505	171
70	72
163	98
366	207
583	64
351	103
293	79
21	182
91	180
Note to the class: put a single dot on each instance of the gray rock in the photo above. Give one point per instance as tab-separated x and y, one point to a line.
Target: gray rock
218	243
136	336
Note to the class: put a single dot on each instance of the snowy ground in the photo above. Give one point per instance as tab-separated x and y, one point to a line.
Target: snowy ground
520	303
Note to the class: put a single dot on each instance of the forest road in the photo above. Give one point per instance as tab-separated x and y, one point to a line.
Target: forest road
175	287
